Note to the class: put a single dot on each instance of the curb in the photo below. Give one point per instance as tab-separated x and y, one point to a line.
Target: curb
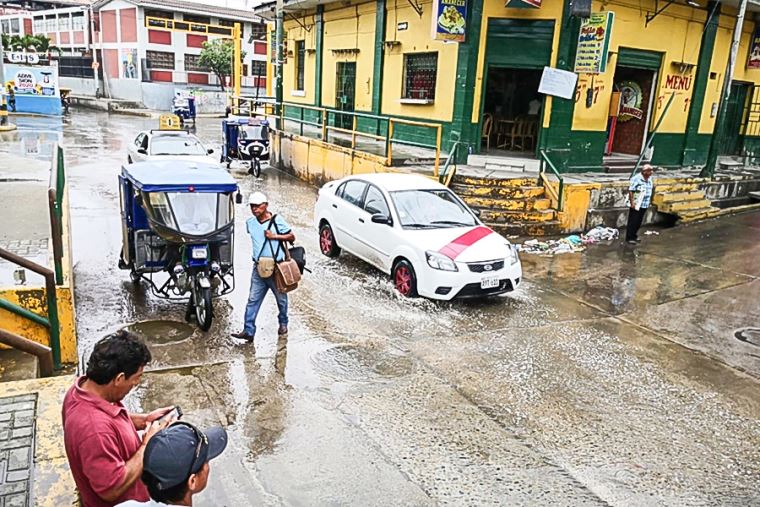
7	128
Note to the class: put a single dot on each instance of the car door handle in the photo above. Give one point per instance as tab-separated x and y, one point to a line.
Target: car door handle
361	220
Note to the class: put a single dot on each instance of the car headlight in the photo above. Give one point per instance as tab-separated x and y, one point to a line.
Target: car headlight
439	261
513	257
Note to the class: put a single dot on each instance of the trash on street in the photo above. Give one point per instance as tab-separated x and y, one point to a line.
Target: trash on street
570	244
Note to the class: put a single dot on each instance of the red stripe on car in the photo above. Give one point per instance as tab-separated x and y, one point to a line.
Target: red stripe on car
463	242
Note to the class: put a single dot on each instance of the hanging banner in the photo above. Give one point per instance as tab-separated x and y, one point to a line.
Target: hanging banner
631	98
523	4
594	43
39	81
449	20
754	50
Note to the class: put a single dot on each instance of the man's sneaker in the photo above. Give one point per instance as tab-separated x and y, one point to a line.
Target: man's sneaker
243	336
632	242
282	330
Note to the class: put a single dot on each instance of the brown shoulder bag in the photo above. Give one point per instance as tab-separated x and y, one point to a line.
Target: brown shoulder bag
286	272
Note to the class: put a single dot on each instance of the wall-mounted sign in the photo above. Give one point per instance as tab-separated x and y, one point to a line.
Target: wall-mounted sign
523	4
630	101
594	43
15	57
28	80
402	26
559	83
754	50
449	20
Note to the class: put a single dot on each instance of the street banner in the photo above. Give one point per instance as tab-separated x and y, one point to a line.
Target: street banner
449	20
754	50
523	4
594	43
557	82
41	81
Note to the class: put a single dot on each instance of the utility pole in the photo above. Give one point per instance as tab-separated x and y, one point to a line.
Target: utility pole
237	67
278	63
712	156
3	103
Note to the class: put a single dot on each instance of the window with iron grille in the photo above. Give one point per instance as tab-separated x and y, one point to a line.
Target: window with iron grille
39	24
231	23
64	23
159	60
419	76
77	21
75	66
259	31
153	13
192	64
259	68
299	64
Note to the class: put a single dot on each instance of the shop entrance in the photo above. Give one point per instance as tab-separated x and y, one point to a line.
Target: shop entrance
512	107
345	88
631	105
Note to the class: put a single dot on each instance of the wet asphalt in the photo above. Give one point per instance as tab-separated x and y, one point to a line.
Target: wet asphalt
619	376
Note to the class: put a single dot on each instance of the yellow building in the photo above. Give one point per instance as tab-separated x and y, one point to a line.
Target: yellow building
640	66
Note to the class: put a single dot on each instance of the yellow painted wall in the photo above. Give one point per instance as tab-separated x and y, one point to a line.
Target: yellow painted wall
294	31
677	33
417	38
551	9
347	28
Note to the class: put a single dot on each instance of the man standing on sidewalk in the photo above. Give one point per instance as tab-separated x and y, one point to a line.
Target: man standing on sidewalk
268	234
639	198
104	449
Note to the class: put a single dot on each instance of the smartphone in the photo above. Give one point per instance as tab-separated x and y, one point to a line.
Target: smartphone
175	413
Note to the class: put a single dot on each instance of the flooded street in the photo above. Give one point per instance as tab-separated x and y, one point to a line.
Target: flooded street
616	376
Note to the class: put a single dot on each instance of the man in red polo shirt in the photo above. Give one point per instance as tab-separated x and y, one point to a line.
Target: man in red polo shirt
104	449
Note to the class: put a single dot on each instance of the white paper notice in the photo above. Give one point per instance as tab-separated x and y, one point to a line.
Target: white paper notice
559	83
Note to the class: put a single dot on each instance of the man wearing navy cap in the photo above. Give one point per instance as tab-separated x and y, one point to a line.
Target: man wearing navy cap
175	463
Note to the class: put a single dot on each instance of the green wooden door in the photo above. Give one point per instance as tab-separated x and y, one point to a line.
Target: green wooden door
519	43
345	91
732	135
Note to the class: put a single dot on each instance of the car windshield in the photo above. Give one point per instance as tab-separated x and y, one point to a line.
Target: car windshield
431	209
193	213
176	145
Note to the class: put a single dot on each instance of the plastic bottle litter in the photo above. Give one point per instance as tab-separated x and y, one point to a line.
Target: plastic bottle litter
570	244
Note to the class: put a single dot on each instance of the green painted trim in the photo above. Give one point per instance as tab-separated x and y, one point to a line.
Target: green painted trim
23	312
639	59
320	22
556	139
377	71
668	149
693	150
464	93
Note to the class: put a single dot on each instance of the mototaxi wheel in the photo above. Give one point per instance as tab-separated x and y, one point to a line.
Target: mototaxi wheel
135	277
255	167
404	278
327	244
203	313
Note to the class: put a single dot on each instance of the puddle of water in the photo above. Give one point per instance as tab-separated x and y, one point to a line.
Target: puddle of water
159	332
360	364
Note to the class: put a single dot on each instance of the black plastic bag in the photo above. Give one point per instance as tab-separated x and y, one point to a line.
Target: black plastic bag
298	253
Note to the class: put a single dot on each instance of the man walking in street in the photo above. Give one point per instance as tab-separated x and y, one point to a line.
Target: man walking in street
639	198
104	449
269	233
176	464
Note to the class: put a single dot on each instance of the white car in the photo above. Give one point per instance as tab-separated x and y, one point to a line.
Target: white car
419	232
168	145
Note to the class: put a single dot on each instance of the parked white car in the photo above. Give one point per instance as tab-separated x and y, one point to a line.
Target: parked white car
169	145
419	232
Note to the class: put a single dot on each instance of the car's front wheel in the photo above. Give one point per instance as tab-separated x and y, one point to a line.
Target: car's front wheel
327	243
404	278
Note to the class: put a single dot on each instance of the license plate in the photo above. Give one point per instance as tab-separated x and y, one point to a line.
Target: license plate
199	253
489	283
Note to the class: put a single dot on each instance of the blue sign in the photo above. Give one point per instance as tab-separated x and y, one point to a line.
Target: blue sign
449	20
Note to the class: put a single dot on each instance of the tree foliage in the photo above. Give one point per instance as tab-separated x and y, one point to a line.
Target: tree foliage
35	43
216	56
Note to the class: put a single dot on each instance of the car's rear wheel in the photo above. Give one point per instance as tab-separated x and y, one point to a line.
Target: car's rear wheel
327	243
404	278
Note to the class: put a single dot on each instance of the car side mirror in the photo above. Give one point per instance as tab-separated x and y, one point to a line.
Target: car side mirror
142	150
210	151
239	198
380	218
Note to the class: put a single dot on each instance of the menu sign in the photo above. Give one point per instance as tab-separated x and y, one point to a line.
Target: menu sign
594	43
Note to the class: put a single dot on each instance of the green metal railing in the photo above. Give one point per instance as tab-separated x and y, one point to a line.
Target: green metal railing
652	134
559	195
56	191
445	177
50	321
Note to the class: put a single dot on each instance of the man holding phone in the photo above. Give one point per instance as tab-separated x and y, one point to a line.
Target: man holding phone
105	451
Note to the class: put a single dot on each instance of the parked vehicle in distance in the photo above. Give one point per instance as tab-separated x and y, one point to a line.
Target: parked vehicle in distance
153	145
417	231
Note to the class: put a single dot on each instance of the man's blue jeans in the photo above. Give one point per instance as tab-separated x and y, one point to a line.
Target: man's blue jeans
259	287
